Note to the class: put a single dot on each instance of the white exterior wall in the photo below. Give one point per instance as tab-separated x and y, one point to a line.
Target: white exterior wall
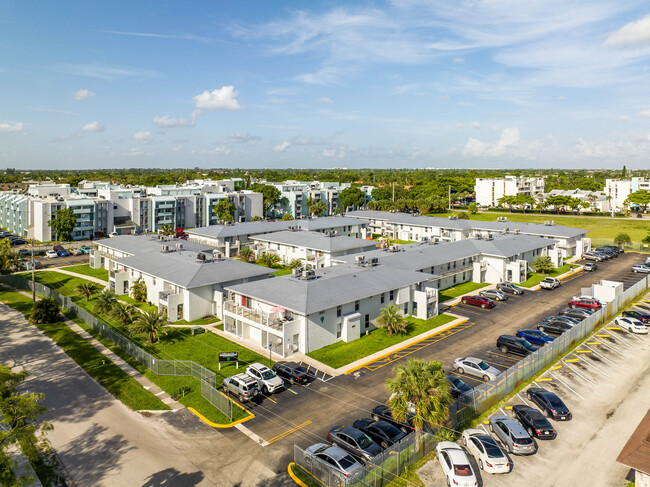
490	190
618	190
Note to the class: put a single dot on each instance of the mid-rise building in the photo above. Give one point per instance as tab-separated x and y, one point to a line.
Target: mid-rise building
490	190
597	200
619	189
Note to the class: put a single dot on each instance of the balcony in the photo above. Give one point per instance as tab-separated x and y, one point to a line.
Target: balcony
163	296
257	316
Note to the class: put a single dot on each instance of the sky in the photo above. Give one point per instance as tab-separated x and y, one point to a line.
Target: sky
295	84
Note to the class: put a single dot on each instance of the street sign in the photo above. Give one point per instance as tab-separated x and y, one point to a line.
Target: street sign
228	357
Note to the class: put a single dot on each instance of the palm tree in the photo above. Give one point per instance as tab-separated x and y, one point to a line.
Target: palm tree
166	229
123	312
247	254
105	301
269	259
543	264
420	392
152	323
295	263
391	319
87	289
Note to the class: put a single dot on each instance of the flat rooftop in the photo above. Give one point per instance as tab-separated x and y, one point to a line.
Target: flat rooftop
317	241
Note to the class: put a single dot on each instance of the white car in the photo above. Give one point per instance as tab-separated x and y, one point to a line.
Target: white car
476	367
268	380
631	324
489	455
51	254
455	465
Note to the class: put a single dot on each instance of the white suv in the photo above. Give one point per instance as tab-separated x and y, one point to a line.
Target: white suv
268	380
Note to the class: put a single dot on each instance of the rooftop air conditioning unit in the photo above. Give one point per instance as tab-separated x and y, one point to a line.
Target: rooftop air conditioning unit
374	261
296	271
360	259
309	274
200	257
179	246
516	230
488	236
164	248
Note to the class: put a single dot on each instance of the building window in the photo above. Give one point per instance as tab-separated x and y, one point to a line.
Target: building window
391	296
366	322
382	299
454	278
448	265
338	330
356	306
154	281
245	301
338	311
406	308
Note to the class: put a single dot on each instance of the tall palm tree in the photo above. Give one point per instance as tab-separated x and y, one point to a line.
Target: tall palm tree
152	323
123	312
247	254
105	301
87	289
392	319
295	263
166	229
269	259
420	392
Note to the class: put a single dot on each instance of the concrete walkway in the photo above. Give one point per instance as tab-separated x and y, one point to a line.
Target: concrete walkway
74	274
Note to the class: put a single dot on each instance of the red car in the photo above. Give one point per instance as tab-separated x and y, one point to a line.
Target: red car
478	301
590	304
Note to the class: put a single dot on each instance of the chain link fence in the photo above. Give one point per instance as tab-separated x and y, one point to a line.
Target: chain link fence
207	378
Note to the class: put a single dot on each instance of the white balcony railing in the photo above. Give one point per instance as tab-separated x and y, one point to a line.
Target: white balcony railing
258	316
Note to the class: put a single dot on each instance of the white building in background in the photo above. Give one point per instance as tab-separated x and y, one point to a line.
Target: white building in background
490	190
597	200
619	189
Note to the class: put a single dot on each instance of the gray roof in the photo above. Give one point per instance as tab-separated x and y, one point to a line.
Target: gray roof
333	286
317	241
431	221
260	227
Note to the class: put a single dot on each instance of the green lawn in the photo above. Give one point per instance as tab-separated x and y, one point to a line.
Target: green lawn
535	278
88	271
143	306
201	321
341	353
454	292
109	375
283	271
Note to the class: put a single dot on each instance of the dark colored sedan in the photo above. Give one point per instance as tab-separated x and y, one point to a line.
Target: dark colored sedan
554	326
550	403
354	441
478	301
535	337
564	319
508	287
642	316
381	432
576	313
535	422
513	344
384	413
25	252
457	387
292	372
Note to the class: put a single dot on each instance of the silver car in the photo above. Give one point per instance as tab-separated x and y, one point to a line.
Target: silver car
645	269
494	294
335	457
476	367
512	435
489	456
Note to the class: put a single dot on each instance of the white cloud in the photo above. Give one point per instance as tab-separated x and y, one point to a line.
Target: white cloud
216	150
458	60
334	153
326	100
225	98
645	113
82	95
243	139
93	127
6	128
624	117
143	137
326	75
168	122
475	125
633	34
282	147
476	148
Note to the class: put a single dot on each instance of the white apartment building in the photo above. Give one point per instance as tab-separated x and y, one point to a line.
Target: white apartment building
597	200
490	190
619	189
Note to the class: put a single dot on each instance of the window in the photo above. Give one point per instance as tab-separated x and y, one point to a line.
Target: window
154	281
382	299
356	306
338	311
338	330
406	308
392	296
366	322
448	265
454	278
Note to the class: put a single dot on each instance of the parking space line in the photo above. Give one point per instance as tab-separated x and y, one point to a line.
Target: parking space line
594	343
616	350
567	386
269	398
612	328
522	399
603	336
593	366
573	369
503	356
632	335
291	390
557	367
288	432
468	377
583	351
544	379
601	356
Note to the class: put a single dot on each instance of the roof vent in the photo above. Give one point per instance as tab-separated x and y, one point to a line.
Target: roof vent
200	257
360	259
296	271
374	261
164	248
488	236
308	274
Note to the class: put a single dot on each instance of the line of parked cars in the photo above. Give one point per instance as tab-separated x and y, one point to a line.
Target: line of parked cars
603	253
13	239
258	379
486	299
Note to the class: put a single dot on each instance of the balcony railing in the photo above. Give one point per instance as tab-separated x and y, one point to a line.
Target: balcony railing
257	316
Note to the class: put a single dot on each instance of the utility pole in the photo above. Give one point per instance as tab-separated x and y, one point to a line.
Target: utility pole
393	192
449	192
33	275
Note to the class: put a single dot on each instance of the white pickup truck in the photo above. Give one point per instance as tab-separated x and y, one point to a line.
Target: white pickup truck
550	283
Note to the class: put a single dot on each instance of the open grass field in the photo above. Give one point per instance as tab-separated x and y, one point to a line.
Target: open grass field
86	270
454	292
341	353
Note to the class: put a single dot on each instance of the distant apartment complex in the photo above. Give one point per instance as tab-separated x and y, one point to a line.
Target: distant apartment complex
490	190
619	189
102	208
597	200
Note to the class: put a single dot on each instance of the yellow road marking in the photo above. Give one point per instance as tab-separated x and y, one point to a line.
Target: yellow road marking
612	328
603	336
573	360
556	368
546	379
583	351
215	425
288	432
269	398
594	343
508	407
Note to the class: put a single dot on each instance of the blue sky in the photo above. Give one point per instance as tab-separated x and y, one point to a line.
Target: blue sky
407	83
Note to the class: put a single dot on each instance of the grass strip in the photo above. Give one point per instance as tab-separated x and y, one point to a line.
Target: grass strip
86	270
454	292
535	278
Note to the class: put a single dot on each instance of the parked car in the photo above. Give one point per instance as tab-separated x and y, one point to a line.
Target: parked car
632	325
550	403
620	250
63	253
550	283
593	256
554	326
512	435
476	367
590	267
607	251
75	251
84	249
588	303
113	235
642	316
584	296
565	319
513	344
457	386
292	372
354	441
478	301
535	337
18	241
455	465
25	252
508	287
384	413
647	261
494	294
243	386
268	380
51	254
643	268
534	421
381	432
488	454
576	313
56	248
336	457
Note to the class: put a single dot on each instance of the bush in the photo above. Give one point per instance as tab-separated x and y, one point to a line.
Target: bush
46	310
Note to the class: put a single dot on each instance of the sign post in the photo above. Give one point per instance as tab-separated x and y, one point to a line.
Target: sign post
270	345
228	357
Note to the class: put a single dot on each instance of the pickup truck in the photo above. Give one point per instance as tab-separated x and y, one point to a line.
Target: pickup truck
550	283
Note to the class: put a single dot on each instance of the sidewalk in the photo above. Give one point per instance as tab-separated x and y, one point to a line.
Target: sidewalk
74	274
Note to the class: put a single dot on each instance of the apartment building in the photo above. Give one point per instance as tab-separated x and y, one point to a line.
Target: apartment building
597	200
619	189
490	190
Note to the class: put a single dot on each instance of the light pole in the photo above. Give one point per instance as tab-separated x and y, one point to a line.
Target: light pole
33	275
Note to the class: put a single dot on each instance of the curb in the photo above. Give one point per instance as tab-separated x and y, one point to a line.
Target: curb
294	477
215	425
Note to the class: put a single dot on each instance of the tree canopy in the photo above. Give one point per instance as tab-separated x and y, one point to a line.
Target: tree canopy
225	210
270	195
63	222
352	197
640	198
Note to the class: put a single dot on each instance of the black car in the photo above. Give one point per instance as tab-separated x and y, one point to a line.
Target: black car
384	413
381	432
18	241
535	422
642	316
555	327
550	403
615	248
354	441
607	250
508	287
513	344
566	319
576	313
292	372
457	386
25	252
